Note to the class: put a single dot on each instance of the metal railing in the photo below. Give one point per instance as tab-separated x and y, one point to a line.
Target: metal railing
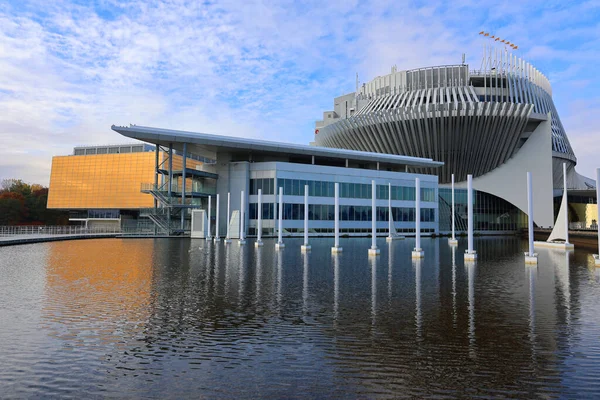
57	230
581	226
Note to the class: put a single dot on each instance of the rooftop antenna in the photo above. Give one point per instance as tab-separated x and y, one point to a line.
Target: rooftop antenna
463	59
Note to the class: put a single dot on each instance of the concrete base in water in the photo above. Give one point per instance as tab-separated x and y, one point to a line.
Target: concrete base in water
418	253
555	245
374	251
531	260
336	249
391	238
470	255
305	247
453	242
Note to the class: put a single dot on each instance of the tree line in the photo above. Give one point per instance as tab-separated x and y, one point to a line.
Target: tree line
24	204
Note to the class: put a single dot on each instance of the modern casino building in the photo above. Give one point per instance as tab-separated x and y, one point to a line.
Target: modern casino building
496	123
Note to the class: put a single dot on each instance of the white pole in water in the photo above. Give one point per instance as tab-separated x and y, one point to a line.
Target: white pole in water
470	254
597	256
418	251
228	237
280	244
209	207
452	241
259	241
305	246
217	236
373	251
389	238
566	201
336	248
530	257
242	217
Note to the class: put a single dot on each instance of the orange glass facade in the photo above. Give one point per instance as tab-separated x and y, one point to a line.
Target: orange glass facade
101	181
108	181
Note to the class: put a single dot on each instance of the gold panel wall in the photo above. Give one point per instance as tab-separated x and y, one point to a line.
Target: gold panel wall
101	181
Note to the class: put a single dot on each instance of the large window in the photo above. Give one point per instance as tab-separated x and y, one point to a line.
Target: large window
268	211
267	185
295	187
490	213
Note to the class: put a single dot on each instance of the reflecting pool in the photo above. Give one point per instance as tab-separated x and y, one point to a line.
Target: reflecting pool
185	318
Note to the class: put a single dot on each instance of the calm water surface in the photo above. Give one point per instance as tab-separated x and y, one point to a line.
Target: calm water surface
184	318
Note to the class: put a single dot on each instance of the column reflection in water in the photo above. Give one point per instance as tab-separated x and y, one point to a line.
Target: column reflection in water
532	274
418	317
217	253
228	266
390	263
241	276
208	270
212	268
336	288
453	248
373	261
305	285
562	271
217	263
279	279
471	277
258	277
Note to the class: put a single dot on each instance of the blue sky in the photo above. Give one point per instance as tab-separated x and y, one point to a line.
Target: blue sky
69	69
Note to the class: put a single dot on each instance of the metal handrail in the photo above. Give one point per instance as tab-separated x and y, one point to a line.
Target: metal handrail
6	231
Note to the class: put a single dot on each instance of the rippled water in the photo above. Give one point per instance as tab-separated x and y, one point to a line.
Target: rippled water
184	318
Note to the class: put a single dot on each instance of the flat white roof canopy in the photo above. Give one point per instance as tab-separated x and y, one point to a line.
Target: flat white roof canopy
206	144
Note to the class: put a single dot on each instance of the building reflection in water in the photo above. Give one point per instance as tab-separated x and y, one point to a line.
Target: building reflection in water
160	302
86	281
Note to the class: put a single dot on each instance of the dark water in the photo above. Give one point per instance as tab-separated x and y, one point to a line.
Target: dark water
179	318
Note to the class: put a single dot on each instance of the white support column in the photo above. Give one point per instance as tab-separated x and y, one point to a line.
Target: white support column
280	244
228	237
305	246
217	235
530	256
242	218
453	241
259	241
389	237
336	248
373	251
208	237
597	256
470	253
566	201
418	251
